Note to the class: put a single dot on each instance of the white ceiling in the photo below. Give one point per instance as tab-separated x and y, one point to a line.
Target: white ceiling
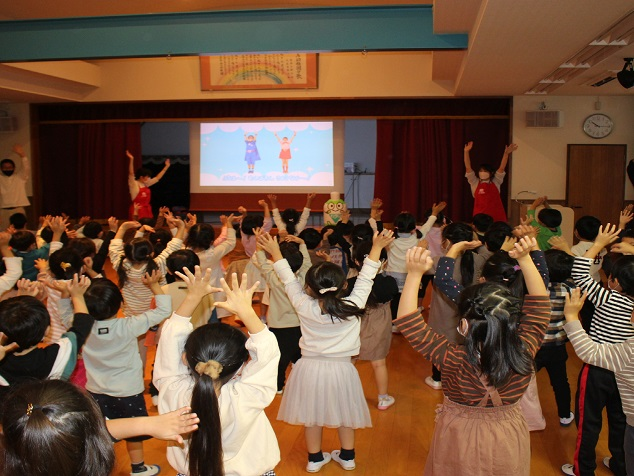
512	44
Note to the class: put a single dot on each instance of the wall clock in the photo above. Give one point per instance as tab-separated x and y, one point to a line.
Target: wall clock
598	126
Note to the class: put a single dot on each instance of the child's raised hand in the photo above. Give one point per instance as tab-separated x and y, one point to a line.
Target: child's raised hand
345	215
147	229
323	255
524	229
170	426
192	219
522	248
509	243
167	162
242	210
83	220
58	224
327	233
418	260
239	299
41	264
574	303
26	287
437	208
78	285
135	209
560	243
270	245
294	239
127	225
310	197
71	234
197	282
608	234
113	224
468	146
624	248
129	155
282	234
625	217
230	220
163	211
459	248
151	278
376	203
273	199
263	203
383	239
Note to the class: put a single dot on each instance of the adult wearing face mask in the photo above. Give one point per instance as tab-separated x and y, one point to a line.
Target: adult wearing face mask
485	187
139	183
13	197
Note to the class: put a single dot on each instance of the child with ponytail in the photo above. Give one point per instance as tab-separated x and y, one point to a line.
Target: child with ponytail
483	379
324	388
207	369
443	313
290	221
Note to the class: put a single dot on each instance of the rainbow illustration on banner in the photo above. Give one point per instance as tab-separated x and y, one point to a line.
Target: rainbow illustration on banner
244	75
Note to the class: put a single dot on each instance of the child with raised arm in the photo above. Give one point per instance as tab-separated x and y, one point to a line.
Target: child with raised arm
282	319
139	183
113	364
597	387
290	220
619	358
208	369
324	388
483	379
24	246
12	263
25	321
547	222
201	241
485	187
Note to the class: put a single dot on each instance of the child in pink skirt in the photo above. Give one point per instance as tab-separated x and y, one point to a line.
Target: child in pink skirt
324	388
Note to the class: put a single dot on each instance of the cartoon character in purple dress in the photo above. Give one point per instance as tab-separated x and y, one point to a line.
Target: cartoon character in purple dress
251	155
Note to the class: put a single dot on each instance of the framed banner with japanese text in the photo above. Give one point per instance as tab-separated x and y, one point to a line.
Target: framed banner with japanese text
259	71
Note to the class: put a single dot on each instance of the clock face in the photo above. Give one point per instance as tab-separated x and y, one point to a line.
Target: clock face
597	126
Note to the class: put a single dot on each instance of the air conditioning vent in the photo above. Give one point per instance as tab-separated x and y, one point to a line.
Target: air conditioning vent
544	119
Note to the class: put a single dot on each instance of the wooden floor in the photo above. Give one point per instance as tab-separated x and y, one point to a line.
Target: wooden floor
399	440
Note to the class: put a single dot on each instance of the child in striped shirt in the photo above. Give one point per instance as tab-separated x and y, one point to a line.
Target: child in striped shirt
597	388
484	379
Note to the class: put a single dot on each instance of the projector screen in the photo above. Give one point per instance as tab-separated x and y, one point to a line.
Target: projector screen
272	157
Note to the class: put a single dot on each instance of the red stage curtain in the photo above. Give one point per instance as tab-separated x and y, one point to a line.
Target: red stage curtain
85	170
420	161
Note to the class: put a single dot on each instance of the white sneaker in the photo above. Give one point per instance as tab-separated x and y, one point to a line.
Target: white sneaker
155	400
385	403
433	384
395	330
568	469
280	392
567	421
606	462
150	469
347	464
313	467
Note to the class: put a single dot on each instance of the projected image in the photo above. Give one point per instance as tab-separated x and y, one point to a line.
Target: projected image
280	154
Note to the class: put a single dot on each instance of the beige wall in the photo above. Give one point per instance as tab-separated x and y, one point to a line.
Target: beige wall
21	136
341	75
540	162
